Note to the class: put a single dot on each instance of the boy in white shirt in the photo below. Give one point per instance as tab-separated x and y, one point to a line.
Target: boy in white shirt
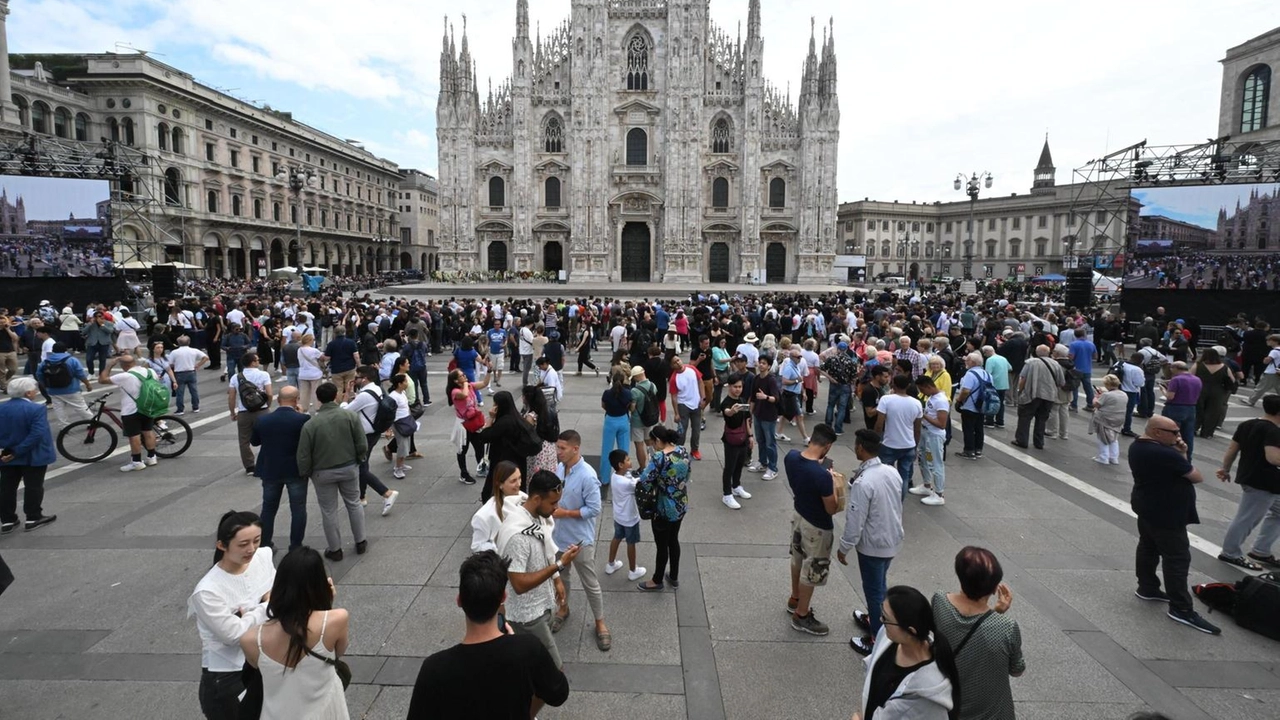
626	517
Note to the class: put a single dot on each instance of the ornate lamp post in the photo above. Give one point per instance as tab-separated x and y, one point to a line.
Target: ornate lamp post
973	185
299	179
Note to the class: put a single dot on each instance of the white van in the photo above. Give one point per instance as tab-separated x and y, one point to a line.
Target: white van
895	280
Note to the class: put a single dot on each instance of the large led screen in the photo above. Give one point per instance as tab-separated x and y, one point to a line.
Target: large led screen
1206	237
55	227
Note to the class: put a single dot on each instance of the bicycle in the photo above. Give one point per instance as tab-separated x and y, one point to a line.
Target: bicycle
79	441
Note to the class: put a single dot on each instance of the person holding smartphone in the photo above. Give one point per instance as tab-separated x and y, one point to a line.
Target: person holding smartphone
737	439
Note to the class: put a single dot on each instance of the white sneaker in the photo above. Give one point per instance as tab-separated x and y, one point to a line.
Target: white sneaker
613	567
769	475
397	473
482	467
933	499
730	503
806	439
638	573
388	502
781	438
920	490
149	461
742	493
1115	461
1099	460
132	466
754	466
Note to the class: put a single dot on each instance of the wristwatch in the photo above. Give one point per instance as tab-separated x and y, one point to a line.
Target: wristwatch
559	567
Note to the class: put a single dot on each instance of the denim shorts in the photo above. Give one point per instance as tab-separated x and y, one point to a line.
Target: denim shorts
630	534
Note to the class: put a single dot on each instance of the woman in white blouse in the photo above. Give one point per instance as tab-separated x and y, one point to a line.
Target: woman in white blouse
230	599
310	371
487	521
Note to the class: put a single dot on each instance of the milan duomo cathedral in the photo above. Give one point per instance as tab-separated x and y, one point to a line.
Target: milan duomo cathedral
639	142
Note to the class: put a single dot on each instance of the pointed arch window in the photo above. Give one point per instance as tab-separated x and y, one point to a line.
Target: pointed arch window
553	135
777	193
551	191
720	193
1257	94
637	63
721	138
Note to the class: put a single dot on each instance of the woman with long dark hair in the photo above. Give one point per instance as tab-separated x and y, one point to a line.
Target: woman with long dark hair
469	419
668	469
230	599
584	349
294	649
911	672
545	424
506	435
617	404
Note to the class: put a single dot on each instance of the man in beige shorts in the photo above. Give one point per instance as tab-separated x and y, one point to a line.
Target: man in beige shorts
812	532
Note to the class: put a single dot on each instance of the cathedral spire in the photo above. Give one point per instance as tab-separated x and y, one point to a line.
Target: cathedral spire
753	21
522	19
1045	171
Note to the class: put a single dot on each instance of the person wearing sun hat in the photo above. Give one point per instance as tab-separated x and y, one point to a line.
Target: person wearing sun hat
748	349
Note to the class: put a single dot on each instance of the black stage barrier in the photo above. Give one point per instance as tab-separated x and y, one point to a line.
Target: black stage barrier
27	293
1207	307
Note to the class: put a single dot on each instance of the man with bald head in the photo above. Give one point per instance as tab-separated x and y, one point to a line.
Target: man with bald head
1164	499
137	427
1038	387
277	433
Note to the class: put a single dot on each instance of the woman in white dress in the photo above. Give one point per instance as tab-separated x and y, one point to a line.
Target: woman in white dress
310	372
127	336
294	648
228	601
487	521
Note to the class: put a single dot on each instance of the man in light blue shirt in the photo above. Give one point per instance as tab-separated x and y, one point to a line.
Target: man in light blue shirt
1082	352
999	368
576	518
389	357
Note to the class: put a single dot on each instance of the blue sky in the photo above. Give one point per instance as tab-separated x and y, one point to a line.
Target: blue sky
55	198
927	89
1198	204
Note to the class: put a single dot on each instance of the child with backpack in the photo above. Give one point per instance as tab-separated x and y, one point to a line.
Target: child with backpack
626	516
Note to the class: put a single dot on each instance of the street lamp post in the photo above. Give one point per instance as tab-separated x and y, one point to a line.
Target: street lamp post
299	179
973	185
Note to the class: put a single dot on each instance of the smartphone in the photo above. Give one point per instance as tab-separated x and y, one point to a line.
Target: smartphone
502	623
741	407
827	463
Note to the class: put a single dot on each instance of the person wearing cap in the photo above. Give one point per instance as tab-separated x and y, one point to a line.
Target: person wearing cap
643	392
68	401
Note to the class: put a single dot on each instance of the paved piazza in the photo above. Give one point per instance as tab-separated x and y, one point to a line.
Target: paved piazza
96	626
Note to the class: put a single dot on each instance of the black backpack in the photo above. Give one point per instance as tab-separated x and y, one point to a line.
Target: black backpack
648	413
56	374
385	416
251	396
1258	604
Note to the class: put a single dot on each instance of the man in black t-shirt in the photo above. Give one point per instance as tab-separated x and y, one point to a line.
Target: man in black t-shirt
492	673
1257	442
812	532
872	392
1164	498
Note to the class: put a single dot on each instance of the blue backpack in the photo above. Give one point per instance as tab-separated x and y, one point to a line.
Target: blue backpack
986	400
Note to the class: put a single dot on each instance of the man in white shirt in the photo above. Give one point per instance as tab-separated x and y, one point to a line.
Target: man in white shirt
618	335
364	403
748	349
185	361
251	370
137	427
548	377
1270	382
45	335
1132	378
526	350
898	420
235	316
688	397
937	415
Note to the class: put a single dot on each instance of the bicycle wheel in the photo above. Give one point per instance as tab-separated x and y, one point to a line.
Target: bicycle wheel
87	441
173	436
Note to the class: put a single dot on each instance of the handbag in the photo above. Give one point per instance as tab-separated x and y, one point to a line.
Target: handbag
417	409
474	421
406	426
339	665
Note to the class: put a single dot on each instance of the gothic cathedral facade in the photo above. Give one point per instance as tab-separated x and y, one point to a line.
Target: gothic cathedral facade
639	142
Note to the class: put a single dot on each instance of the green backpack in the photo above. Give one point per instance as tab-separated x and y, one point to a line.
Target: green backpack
153	396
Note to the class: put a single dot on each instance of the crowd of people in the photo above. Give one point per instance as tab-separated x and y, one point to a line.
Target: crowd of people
56	257
1204	271
345	373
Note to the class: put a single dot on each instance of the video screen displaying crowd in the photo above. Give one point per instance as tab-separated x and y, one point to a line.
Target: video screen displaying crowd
895	358
1203	271
55	257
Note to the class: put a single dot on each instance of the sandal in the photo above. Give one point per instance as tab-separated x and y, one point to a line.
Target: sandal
557	621
1265	559
604	641
1240	562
